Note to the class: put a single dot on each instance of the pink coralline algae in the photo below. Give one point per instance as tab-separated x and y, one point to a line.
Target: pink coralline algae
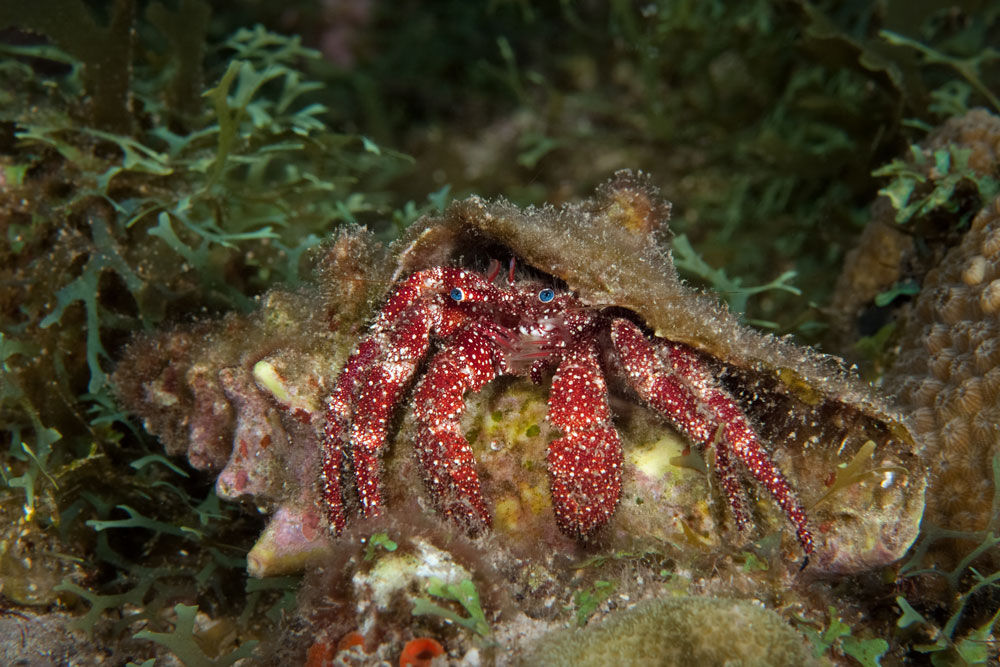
296	405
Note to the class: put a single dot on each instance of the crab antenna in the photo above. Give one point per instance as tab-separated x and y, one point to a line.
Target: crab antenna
493	271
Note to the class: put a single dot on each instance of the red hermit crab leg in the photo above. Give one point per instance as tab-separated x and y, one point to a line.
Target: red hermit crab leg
585	464
338	414
370	385
684	394
471	359
380	392
670	396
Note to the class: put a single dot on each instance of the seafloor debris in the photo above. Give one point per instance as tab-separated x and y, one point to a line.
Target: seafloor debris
245	396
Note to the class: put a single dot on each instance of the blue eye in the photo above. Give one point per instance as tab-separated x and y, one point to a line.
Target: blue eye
546	295
457	294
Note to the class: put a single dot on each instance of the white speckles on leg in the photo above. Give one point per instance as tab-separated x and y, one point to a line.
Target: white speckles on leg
585	464
469	361
674	380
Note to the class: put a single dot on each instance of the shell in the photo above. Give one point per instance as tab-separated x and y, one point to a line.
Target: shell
260	380
610	251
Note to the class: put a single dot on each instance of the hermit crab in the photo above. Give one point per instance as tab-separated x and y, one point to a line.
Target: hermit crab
483	330
621	312
301	404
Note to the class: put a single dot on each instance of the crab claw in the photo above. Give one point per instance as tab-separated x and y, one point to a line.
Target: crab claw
585	478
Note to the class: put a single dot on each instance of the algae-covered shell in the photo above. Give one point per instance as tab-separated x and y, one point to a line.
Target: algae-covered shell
269	373
610	251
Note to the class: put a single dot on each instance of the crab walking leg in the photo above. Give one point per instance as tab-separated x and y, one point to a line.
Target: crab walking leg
376	394
585	464
338	414
670	396
342	403
725	469
469	360
679	391
741	437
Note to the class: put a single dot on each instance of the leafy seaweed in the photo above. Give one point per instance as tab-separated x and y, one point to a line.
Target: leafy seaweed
465	594
968	68
857	470
939	172
181	642
587	601
731	289
838	635
135	598
972	649
376	541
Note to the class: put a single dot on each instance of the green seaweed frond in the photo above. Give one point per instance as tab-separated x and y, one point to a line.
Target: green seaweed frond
465	594
731	289
587	601
838	635
181	642
968	68
85	289
928	180
134	598
901	288
856	470
145	591
971	649
33	459
376	541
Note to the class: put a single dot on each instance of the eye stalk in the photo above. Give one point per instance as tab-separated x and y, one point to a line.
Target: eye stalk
546	295
458	294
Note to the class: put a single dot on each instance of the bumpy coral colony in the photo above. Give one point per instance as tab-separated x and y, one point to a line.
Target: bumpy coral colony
485	326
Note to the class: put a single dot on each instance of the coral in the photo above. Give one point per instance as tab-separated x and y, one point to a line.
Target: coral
677	631
947	374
